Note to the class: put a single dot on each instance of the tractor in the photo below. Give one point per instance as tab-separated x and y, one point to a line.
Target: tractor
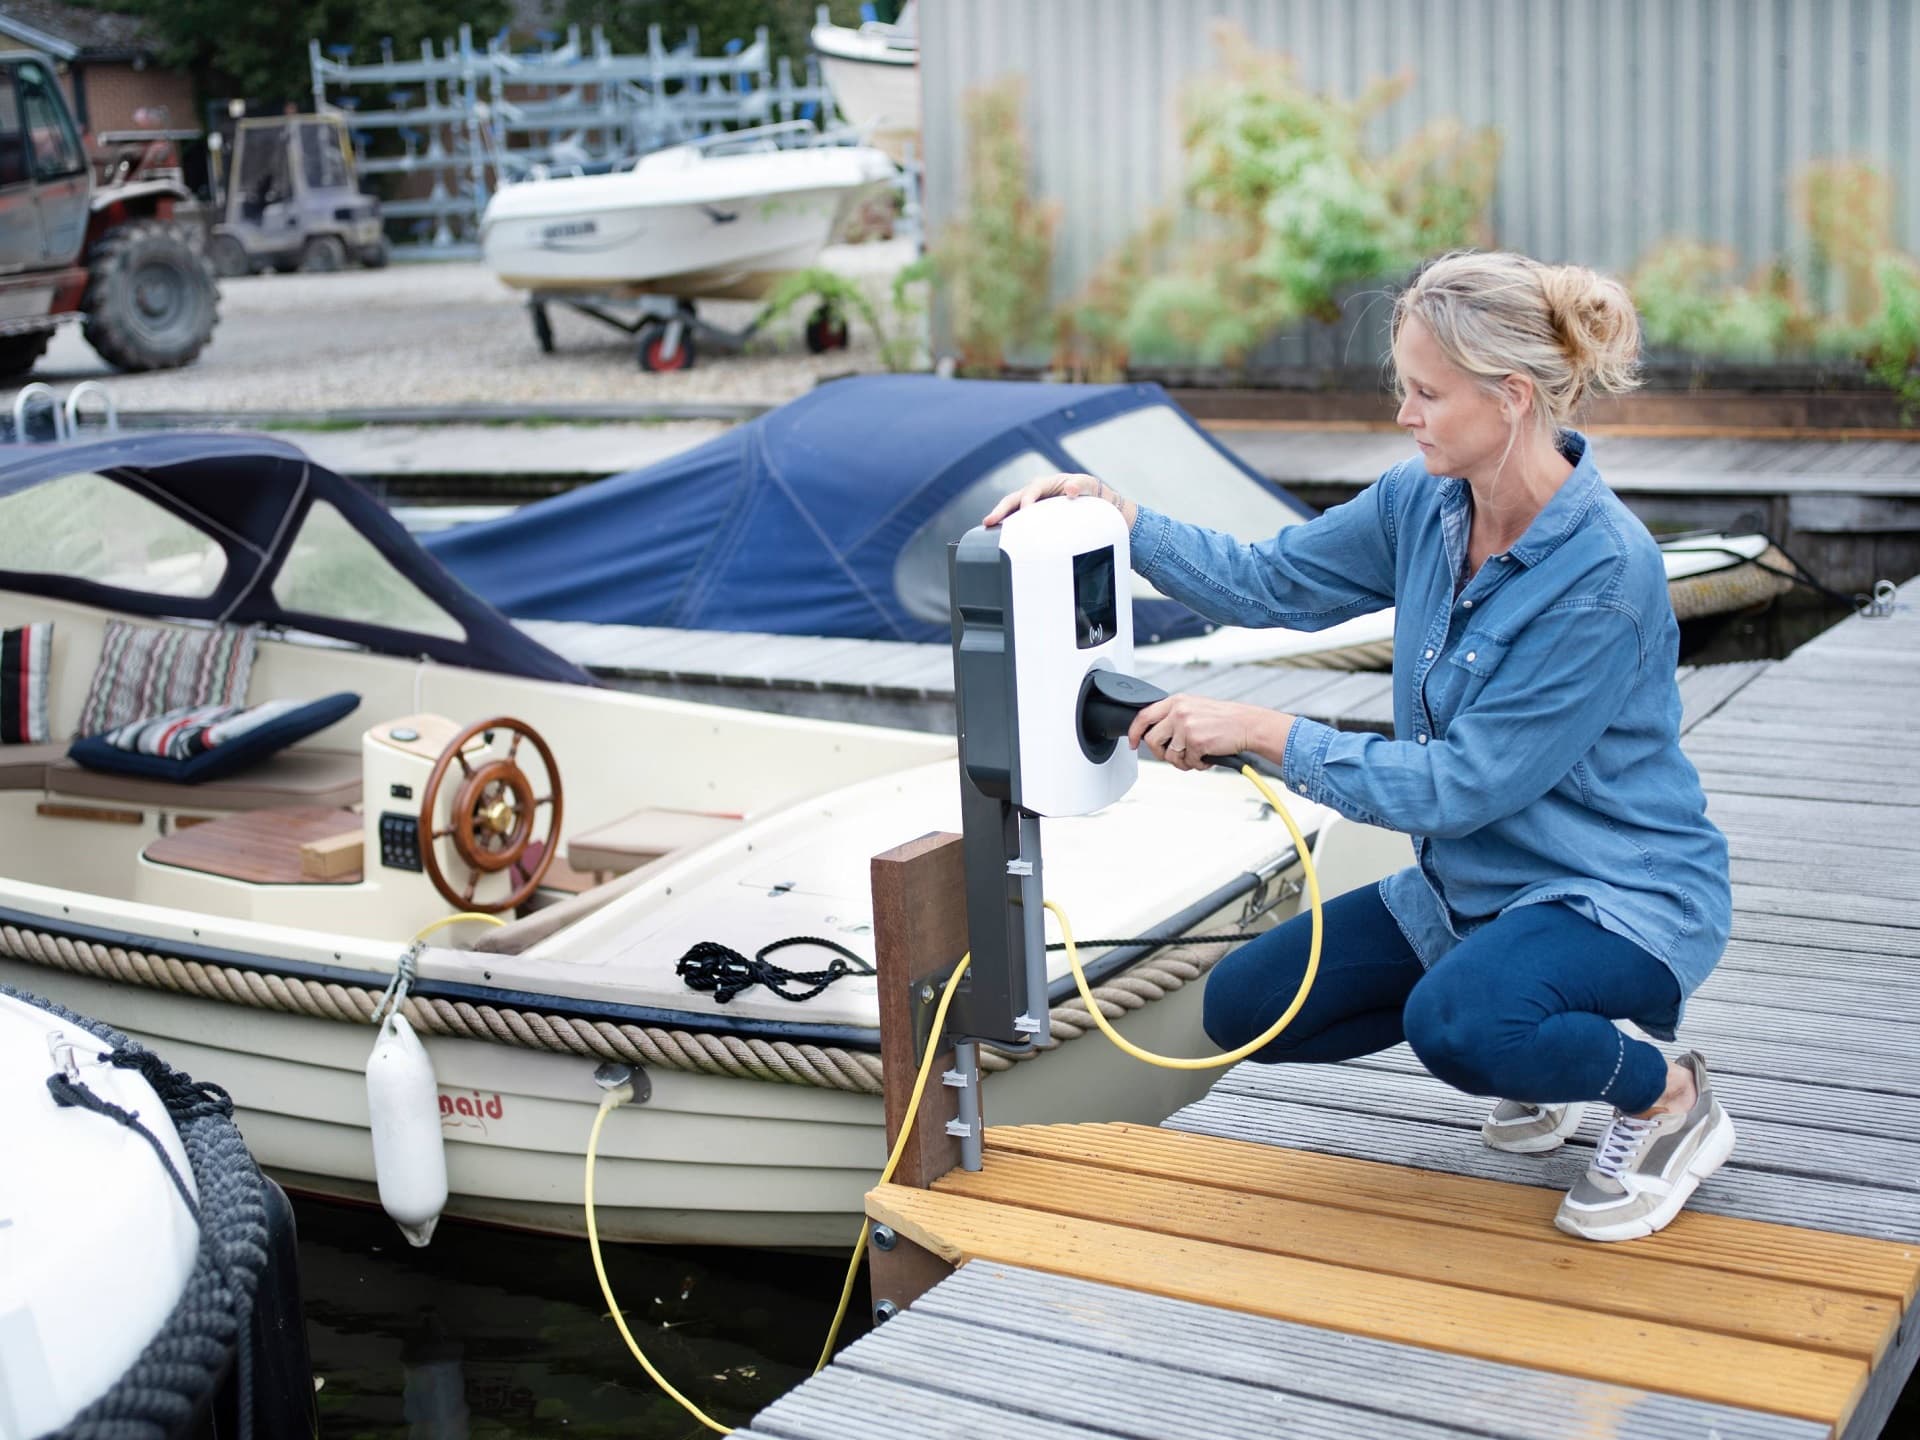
124	258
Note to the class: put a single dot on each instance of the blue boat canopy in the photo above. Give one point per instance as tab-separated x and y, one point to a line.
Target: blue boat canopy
247	530
832	515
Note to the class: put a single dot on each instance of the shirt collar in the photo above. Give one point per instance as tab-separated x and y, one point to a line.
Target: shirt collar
1560	516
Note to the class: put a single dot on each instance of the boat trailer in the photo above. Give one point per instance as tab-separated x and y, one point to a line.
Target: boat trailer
668	331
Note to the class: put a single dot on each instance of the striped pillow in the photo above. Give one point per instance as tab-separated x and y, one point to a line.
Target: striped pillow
147	669
24	653
182	734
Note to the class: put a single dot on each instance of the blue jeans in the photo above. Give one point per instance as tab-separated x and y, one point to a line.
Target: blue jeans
1522	1008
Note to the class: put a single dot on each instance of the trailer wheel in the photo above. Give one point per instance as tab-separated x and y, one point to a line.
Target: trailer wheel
653	349
542	326
826	330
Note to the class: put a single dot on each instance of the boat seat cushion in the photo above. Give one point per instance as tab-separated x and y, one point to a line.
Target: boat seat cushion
190	747
645	835
24	652
146	669
24	767
292	777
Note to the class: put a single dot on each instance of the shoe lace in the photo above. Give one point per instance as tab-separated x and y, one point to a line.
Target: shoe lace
1621	1143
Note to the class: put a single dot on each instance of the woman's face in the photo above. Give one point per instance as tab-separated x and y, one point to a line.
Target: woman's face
1460	427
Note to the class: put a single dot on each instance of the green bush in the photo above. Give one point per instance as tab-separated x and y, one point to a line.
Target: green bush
1292	210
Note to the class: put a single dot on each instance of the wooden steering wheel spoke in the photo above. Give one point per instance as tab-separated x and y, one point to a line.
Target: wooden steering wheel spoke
491	816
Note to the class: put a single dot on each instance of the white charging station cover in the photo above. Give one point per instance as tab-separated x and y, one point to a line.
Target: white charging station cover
1042	543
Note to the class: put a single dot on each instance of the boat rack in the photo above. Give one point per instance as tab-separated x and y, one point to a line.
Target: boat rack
464	118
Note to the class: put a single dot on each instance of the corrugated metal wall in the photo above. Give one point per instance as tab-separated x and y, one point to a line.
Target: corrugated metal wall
1624	121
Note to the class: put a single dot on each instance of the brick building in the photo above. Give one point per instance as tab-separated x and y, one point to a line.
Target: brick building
108	64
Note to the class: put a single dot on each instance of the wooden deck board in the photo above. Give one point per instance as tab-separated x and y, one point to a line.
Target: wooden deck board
1605	1279
1669	1358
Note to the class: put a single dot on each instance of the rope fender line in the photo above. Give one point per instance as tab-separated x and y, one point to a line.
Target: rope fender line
723	1056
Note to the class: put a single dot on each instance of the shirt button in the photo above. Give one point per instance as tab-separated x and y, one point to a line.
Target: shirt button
1472	655
1429	654
1421	738
1504	558
1466	604
1301	786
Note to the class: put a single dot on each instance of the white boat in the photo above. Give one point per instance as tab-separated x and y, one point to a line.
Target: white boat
136	1240
874	73
112	1225
203	918
689	221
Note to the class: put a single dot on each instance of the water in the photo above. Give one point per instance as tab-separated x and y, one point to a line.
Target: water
491	1333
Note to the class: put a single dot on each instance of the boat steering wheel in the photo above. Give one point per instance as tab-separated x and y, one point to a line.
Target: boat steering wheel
494	812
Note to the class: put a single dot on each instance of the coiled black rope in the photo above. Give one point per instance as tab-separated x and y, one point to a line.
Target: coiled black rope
724	972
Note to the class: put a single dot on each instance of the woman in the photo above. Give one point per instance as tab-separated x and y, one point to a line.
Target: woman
1567	873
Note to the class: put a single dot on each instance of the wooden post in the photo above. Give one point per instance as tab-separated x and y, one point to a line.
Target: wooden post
919	934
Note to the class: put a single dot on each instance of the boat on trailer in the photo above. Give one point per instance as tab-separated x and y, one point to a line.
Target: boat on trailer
723	218
249	924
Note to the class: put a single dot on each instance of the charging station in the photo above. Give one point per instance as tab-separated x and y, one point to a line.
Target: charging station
1042	647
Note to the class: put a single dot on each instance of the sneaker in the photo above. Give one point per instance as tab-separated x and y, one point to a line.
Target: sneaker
1524	1129
1645	1170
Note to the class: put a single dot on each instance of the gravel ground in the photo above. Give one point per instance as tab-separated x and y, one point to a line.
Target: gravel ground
450	333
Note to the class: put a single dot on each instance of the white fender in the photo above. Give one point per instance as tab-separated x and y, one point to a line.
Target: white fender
409	1157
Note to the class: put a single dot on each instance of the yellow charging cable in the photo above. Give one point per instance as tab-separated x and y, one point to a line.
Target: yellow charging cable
446	920
1272	1032
615	1097
621	1094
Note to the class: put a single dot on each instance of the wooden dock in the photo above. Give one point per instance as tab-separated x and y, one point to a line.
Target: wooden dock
1331	1251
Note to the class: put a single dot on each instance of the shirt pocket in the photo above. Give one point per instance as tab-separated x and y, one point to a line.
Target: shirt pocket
1464	673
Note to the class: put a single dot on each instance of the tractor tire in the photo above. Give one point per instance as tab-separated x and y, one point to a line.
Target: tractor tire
324	254
18	353
228	257
151	303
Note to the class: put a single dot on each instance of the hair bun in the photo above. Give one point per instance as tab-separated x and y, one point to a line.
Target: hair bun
1597	327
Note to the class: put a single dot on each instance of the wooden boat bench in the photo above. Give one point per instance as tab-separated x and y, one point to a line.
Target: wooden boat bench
642	837
290	778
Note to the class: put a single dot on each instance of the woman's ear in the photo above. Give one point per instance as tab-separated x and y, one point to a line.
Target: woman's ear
1516	396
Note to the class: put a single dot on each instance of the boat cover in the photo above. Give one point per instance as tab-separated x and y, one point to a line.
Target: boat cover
252	495
797	522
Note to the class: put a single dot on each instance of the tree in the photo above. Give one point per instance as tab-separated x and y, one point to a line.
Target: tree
241	47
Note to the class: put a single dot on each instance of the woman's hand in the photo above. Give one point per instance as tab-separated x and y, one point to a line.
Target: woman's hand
1184	729
1049	486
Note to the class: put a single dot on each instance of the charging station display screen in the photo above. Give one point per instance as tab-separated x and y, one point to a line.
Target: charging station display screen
1094	616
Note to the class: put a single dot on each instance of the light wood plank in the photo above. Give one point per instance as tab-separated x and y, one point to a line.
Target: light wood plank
1616	1280
1742	1247
1668	1358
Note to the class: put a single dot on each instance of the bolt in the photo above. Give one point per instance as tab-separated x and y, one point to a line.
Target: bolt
883	1237
883	1311
926	994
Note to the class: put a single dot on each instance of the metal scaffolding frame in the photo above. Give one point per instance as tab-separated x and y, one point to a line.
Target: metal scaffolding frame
467	118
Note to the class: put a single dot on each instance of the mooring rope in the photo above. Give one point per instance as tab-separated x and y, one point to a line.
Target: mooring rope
737	1057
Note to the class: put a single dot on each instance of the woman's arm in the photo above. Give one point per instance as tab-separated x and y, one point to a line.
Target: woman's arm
1561	684
1331	568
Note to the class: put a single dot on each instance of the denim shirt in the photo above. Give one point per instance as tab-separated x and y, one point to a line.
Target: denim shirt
1536	710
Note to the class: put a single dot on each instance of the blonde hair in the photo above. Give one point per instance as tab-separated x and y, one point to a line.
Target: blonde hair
1571	331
